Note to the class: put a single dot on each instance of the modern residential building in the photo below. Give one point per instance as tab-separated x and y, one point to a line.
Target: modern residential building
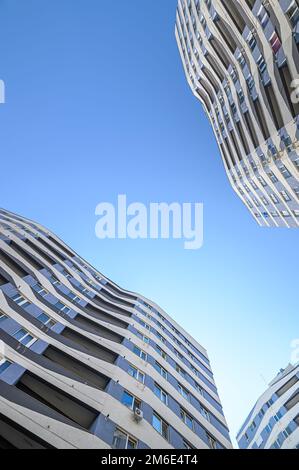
274	421
241	59
87	364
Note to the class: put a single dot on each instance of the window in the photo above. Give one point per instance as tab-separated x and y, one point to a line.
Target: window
122	440
252	426
187	419
180	370
161	394
183	392
259	441
62	307
74	297
287	432
268	428
199	388
204	413
262	181
161	370
86	291
261	413
161	352
293	13
130	401
2	317
4	364
275	42
136	374
276	444
178	354
265	200
211	441
20	300
272	177
285	172
285	196
40	290
54	280
24	337
145	325
46	320
146	339
140	353
161	426
186	445
161	338
274	198
278	416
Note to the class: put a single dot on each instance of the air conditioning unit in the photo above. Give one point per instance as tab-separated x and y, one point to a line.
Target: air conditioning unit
138	414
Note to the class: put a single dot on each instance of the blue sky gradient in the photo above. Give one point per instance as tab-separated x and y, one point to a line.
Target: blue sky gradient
97	105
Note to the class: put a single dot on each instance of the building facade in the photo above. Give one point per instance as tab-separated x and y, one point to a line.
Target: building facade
241	60
86	364
274	421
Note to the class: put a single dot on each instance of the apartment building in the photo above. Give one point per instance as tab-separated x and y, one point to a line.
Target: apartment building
273	422
241	60
87	364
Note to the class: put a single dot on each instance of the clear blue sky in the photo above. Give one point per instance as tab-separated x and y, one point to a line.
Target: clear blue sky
98	105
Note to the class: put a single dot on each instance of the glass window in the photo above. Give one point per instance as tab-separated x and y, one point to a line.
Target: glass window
2	317
285	196
46	320
204	413
160	425
287	432
161	394
285	171
24	337
252	426
4	364
293	13
40	290
132	371
188	420
186	445
127	400
180	370
122	440
183	392
140	353
20	300
130	401
62	307
211	441
161	352
199	388
136	373
161	370
274	198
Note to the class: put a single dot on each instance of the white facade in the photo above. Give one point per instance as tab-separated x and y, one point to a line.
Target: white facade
124	374
241	59
274	421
